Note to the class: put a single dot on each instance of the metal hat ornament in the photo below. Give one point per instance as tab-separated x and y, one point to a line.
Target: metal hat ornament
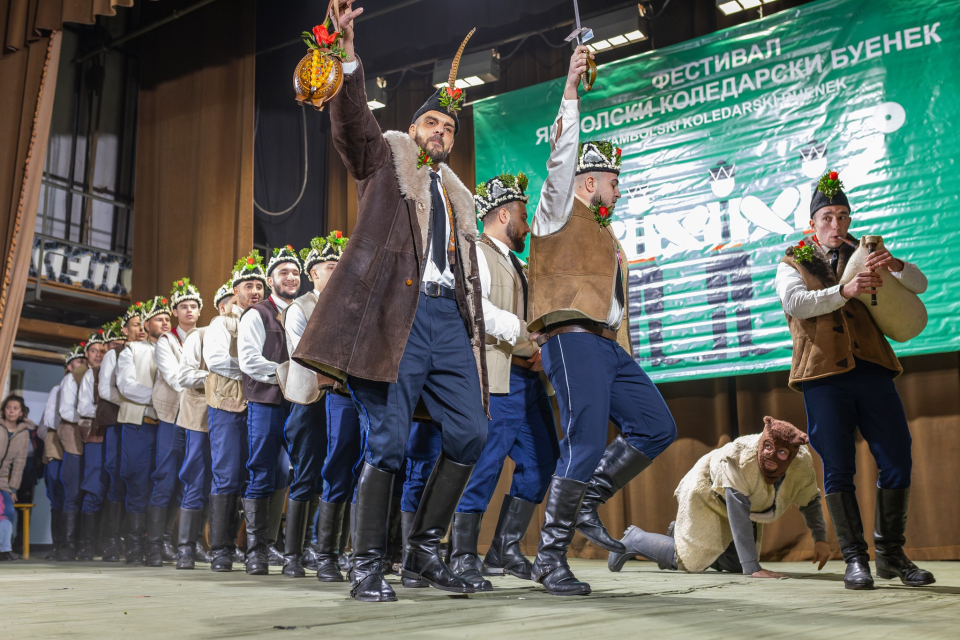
319	75
182	291
500	190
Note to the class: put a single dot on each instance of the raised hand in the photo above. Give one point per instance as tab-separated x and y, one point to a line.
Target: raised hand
347	15
578	64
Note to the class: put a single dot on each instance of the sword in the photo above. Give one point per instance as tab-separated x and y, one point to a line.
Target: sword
583	34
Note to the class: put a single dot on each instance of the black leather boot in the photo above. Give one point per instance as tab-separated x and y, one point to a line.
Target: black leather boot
88	536
464	557
372	508
845	513
274	520
550	568
394	558
169	528
652	546
293	535
346	537
156	521
110	530
257	515
308	557
201	554
190	520
888	536
406	525
620	464
135	524
329	528
223	516
71	536
440	497
56	534
505	555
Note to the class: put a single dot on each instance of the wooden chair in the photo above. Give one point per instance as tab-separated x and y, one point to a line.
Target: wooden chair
25	514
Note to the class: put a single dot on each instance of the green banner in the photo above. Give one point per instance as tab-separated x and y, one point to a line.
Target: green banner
724	138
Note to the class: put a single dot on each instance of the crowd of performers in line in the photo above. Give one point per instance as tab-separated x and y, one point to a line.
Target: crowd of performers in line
376	411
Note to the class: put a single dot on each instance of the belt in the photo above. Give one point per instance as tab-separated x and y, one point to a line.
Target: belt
435	290
521	362
147	420
576	326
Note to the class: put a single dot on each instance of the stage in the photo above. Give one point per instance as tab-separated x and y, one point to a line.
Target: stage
95	599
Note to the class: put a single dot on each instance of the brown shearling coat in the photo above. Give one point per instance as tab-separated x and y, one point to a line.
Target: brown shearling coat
13	455
376	285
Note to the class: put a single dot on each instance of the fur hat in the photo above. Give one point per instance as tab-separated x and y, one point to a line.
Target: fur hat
133	311
281	255
183	291
500	190
97	337
77	352
329	249
223	293
449	98
158	305
112	331
598	155
249	268
829	191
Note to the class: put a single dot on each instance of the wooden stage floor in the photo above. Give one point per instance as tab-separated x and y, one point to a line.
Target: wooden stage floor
99	600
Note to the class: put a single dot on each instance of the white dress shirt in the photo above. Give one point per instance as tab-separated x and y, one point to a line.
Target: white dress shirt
108	378
190	375
250	338
557	194
498	323
68	398
127	378
295	323
216	348
86	403
51	410
801	303
168	352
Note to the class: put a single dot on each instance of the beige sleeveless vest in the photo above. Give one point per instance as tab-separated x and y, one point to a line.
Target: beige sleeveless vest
69	432
193	402
222	392
145	372
166	401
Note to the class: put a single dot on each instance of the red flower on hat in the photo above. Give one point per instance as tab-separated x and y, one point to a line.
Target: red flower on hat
139	304
338	234
802	244
100	331
179	283
834	175
250	260
163	301
289	248
83	344
619	151
455	92
323	36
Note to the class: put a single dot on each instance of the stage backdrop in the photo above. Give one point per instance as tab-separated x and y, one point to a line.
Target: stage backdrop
724	138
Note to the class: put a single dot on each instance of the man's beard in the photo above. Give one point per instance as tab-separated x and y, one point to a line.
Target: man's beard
595	200
287	296
516	237
436	156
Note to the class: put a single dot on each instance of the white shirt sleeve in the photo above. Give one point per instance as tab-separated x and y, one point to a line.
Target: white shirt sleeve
294	324
108	368
911	277
127	379
68	398
350	67
801	303
498	323
167	364
556	195
190	375
51	412
86	407
250	338
216	350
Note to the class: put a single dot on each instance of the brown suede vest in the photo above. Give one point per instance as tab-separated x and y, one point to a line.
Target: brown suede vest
274	349
573	272
826	345
94	432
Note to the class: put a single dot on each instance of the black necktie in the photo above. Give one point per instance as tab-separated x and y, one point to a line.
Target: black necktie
438	225
619	288
523	280
834	259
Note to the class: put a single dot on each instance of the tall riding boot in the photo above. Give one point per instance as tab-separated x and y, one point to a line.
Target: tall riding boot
308	559
190	520
293	534
345	559
888	536
274	519
110	530
374	491
652	546
88	536
223	515
56	533
169	528
71	535
394	558
551	568
135	524
329	528
257	515
845	513
620	464
201	554
440	497
156	521
464	557
406	525
505	555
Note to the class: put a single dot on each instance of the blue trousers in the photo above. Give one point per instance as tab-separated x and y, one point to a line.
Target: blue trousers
267	460
137	460
305	434
51	481
596	381
863	398
171	442
344	449
116	488
195	471
95	478
71	476
522	427
423	449
438	365
228	450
